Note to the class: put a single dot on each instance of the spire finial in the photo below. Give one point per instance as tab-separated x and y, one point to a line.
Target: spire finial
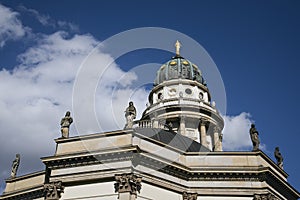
177	46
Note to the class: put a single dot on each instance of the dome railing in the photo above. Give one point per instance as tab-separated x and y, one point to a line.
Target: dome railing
147	123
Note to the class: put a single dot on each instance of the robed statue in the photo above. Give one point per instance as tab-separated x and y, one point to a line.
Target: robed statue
65	124
15	166
278	157
254	137
130	115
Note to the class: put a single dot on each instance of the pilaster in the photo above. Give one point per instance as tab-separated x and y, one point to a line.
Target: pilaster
203	132
182	126
218	137
127	185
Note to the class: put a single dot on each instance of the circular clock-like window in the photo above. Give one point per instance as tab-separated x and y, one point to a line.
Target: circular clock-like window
188	91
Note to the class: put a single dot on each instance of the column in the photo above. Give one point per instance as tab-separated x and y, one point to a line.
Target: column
203	132
182	126
127	185
155	121
218	137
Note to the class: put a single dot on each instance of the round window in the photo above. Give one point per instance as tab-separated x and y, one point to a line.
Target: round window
188	91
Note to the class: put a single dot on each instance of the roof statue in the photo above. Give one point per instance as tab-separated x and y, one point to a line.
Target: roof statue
15	166
177	46
278	157
254	137
130	115
65	124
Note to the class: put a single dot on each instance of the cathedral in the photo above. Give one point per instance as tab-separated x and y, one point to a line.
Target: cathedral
174	152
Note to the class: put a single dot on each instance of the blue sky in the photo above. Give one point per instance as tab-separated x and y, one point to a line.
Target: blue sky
255	44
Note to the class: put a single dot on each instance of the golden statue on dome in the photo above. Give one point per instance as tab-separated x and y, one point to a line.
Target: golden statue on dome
177	46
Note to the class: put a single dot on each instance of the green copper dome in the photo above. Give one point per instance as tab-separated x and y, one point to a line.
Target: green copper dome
176	68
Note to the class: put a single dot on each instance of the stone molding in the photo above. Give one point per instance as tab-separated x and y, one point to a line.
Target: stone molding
267	196
128	183
262	174
53	190
25	196
89	160
189	196
185	174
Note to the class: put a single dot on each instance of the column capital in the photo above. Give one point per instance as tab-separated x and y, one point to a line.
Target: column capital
53	190
217	129
182	117
189	196
203	122
128	183
267	196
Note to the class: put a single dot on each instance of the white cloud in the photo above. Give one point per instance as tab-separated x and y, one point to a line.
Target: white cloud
68	26
11	27
236	132
46	20
35	95
43	19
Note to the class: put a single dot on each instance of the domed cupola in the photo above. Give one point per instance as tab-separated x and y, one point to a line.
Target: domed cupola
180	101
178	67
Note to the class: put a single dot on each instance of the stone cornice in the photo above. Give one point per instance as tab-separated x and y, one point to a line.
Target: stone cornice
26	176
262	174
34	193
91	136
88	160
137	157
